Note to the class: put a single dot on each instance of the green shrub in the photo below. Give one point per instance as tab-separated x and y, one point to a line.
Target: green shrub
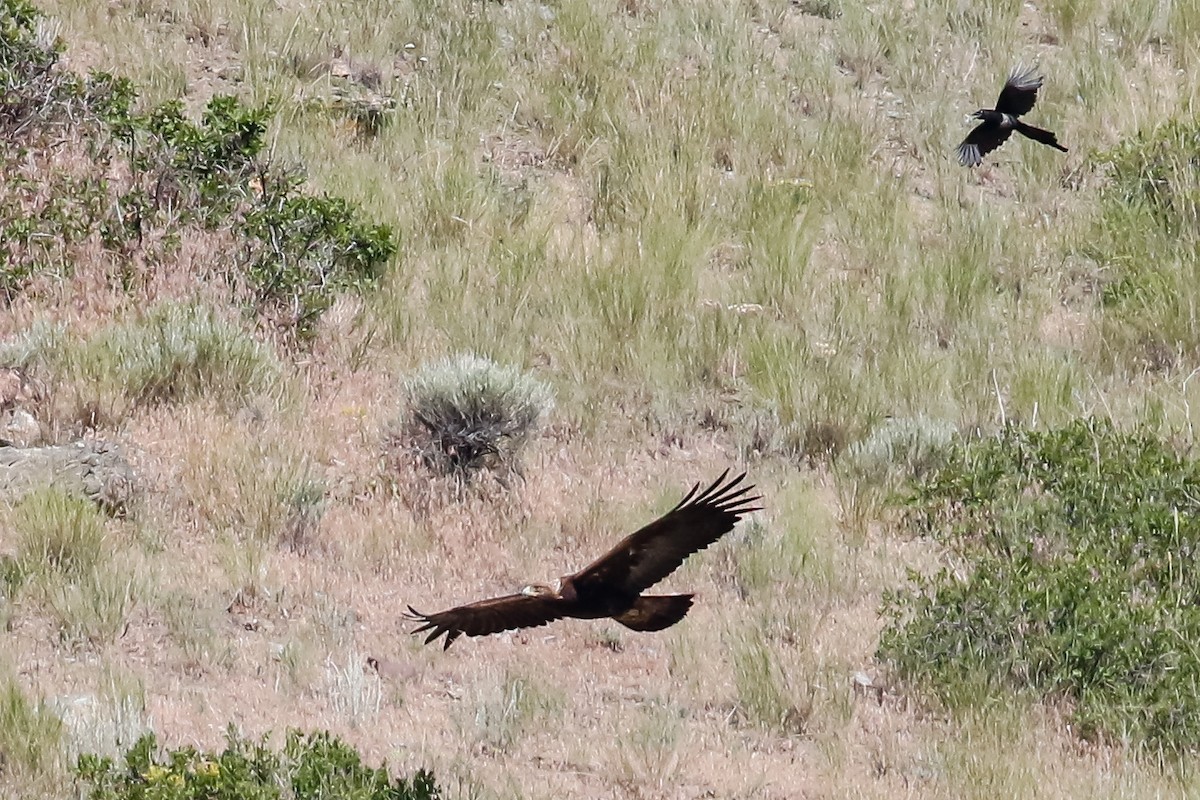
43	214
311	767
142	179
295	251
467	412
301	250
36	97
1074	574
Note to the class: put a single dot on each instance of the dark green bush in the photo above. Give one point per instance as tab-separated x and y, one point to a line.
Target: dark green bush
315	766
302	249
1074	575
290	251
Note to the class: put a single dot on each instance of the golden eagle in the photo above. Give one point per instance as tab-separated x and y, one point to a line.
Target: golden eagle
611	586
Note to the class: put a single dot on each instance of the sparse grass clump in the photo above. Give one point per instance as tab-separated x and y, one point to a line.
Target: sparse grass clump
174	353
765	695
29	734
107	721
511	708
1074	575
311	766
94	609
1148	238
63	554
58	533
467	413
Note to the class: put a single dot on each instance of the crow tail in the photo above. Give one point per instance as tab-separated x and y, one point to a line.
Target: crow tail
1038	135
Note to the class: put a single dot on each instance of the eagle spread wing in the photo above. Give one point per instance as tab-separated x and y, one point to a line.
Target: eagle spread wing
646	557
488	616
1019	92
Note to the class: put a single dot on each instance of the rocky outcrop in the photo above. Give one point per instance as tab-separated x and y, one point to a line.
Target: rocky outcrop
95	470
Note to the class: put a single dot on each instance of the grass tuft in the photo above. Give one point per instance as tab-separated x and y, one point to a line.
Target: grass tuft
511	709
765	695
174	353
30	734
59	533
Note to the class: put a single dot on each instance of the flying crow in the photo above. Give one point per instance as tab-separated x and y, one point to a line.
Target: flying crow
1016	98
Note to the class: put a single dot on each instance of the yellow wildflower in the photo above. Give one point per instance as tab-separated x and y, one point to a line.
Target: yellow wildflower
154	774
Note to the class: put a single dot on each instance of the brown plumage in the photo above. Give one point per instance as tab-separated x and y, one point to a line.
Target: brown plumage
612	585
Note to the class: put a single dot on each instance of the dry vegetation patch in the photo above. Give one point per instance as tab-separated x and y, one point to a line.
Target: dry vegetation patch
719	233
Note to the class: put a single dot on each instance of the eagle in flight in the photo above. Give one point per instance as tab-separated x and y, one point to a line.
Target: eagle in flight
612	585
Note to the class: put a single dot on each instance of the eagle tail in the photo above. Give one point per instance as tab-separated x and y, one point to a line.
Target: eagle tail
1039	135
655	612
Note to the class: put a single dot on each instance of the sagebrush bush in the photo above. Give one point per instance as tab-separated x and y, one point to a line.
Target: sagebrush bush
467	411
896	451
898	448
310	767
173	353
1074	574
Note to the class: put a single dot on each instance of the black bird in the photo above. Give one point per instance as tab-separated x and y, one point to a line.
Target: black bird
1016	98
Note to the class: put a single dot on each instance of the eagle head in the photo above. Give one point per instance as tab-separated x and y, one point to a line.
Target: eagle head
540	590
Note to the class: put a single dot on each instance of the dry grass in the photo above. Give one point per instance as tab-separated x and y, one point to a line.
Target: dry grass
725	234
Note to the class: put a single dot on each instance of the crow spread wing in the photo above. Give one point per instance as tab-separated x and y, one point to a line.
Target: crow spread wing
646	557
983	139
1019	92
489	616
